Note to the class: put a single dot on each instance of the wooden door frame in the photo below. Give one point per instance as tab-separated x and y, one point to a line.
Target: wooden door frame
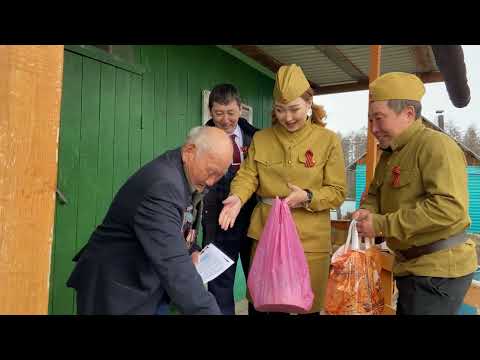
30	94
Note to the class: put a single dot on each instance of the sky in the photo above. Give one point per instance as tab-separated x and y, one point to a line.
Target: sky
348	111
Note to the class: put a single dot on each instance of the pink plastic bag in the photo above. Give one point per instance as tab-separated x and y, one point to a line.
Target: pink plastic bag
279	279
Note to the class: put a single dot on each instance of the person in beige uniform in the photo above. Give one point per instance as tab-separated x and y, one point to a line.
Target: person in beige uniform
297	159
418	201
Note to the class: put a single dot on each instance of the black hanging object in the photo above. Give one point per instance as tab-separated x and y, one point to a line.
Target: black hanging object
450	62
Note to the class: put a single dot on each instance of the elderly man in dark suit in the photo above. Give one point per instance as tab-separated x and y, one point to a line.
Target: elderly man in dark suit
140	257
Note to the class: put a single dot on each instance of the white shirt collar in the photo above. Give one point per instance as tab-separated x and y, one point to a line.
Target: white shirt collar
239	139
237	131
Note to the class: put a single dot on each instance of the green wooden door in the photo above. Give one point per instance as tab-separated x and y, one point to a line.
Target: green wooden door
100	147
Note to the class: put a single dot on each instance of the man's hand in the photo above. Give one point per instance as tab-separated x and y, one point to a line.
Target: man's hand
229	213
364	223
195	256
297	197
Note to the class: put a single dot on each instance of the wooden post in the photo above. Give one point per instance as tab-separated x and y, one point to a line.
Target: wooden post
30	94
387	259
375	55
388	283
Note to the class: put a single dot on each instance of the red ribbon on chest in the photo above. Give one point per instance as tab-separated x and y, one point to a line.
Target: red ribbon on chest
396	176
309	160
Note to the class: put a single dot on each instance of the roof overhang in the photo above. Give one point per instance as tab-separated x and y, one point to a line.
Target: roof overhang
343	68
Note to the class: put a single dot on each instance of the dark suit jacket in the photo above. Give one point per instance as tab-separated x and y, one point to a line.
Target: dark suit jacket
138	255
213	201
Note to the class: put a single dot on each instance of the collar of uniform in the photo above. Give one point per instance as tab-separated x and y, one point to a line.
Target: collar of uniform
293	137
401	140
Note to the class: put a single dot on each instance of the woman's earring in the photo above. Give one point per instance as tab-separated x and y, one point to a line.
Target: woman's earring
309	112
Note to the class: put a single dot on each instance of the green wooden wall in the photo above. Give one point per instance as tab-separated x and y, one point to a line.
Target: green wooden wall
114	120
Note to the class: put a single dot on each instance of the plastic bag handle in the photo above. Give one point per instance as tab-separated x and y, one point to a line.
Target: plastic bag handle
369	243
353	241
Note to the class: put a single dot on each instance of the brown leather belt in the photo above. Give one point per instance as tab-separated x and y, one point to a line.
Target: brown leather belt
417	251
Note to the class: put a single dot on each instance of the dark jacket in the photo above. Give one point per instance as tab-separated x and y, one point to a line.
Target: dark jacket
219	192
138	255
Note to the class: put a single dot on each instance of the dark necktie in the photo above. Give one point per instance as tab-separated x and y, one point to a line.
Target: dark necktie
237	160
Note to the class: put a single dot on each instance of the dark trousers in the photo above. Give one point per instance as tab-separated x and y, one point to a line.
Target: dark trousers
267	315
163	309
222	287
424	295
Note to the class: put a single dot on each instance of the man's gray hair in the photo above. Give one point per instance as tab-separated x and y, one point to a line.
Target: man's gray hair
398	105
199	137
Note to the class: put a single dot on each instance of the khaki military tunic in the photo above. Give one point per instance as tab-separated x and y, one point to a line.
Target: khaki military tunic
277	157
428	202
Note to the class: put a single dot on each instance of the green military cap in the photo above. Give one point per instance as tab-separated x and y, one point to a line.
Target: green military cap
290	83
396	86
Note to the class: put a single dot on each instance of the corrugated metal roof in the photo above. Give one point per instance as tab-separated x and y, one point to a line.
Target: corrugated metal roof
325	71
316	66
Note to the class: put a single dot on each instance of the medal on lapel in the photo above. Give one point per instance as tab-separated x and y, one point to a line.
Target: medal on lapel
187	231
309	160
396	176
190	239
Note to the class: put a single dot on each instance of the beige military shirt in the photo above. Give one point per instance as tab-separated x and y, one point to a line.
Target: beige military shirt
277	157
427	201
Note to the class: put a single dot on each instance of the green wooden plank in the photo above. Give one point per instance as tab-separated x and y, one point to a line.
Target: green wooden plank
97	54
62	298
138	56
153	57
177	85
135	126
147	118
89	134
160	106
194	108
122	116
267	103
105	143
199	81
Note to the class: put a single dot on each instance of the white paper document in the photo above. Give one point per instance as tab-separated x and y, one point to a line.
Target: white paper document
212	262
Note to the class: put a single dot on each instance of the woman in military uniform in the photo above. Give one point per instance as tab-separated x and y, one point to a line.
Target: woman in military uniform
297	159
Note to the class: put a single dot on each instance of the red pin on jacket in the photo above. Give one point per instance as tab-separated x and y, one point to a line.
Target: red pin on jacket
396	176
309	160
